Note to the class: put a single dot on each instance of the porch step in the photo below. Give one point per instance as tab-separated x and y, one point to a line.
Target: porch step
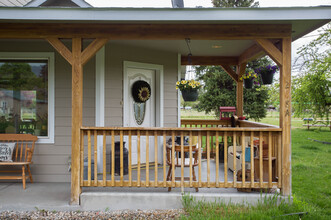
151	200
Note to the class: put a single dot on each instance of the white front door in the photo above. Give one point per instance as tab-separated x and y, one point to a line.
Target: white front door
140	114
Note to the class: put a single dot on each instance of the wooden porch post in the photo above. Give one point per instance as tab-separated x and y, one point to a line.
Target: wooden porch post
285	115
240	90
77	117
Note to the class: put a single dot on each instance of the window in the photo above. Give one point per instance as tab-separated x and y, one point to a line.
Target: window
27	94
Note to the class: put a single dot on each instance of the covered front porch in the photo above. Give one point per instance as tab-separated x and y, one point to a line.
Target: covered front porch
151	150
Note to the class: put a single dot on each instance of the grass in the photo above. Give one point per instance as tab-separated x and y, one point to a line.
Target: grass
311	181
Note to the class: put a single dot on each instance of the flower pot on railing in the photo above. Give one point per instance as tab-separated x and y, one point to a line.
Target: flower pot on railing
267	78
190	95
248	83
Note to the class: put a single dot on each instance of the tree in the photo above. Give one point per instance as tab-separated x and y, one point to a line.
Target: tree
312	88
235	3
220	90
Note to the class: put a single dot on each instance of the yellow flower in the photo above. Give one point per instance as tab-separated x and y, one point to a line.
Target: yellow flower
176	87
177	83
241	78
183	81
198	84
193	86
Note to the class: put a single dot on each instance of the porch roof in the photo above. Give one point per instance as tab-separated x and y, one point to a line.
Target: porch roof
302	19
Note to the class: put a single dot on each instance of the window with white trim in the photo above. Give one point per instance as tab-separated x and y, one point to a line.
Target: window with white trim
27	94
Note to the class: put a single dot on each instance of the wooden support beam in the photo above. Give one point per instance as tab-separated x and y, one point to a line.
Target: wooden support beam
285	115
271	50
252	53
227	68
61	48
144	31
240	90
209	60
92	49
77	117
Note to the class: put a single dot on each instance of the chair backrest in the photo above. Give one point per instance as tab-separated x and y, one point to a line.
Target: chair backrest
24	148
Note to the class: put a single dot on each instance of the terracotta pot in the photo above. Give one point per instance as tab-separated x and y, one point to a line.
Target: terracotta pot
190	95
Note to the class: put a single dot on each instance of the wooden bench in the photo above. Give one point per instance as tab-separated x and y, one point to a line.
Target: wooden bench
22	155
316	123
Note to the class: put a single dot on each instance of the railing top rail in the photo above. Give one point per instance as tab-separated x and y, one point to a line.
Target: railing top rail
256	124
183	129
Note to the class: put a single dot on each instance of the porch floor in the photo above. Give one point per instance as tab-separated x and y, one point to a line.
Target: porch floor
56	196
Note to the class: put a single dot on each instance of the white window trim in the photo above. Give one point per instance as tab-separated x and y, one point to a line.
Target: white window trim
51	89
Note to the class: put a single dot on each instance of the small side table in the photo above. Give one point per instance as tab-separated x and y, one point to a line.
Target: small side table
265	169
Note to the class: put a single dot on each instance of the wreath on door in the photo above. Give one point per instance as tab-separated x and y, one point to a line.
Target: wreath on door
141	91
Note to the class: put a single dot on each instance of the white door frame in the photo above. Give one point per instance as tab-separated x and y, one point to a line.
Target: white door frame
158	90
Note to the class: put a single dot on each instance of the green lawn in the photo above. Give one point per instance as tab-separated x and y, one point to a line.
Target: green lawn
311	182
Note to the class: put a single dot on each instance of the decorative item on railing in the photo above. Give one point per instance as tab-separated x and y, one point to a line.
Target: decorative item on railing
267	73
249	79
189	89
141	91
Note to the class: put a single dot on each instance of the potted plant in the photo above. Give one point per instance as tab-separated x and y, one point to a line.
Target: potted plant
249	79
267	73
189	89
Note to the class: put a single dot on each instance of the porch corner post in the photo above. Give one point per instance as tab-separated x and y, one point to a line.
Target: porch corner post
285	115
77	117
240	90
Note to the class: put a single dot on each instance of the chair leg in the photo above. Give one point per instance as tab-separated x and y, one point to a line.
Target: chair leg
195	179
23	176
30	175
169	177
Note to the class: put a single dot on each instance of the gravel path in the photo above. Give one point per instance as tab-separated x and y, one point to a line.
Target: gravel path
126	214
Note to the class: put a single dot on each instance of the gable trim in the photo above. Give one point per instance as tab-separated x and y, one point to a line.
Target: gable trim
37	3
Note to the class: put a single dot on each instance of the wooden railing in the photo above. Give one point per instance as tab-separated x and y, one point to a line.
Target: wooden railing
148	151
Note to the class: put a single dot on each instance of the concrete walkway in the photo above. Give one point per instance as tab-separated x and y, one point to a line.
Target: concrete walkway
56	196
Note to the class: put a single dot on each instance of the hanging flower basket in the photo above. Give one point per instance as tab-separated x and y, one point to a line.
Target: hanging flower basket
267	73
190	95
189	89
141	91
267	78
248	83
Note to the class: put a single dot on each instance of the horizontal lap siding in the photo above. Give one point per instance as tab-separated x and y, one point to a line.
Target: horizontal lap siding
50	161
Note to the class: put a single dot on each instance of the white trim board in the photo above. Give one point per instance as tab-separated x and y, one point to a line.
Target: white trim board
100	101
159	89
51	85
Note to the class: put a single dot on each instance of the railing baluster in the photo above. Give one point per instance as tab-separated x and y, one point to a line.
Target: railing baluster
199	154
225	140
252	158
89	157
121	157
104	154
95	136
242	158
173	159
147	158
234	159
279	160
130	158
190	154
164	160
81	158
155	155
138	155
217	159
182	160
208	158
270	160
113	158
261	159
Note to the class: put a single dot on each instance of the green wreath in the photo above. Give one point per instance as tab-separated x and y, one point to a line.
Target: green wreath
141	91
